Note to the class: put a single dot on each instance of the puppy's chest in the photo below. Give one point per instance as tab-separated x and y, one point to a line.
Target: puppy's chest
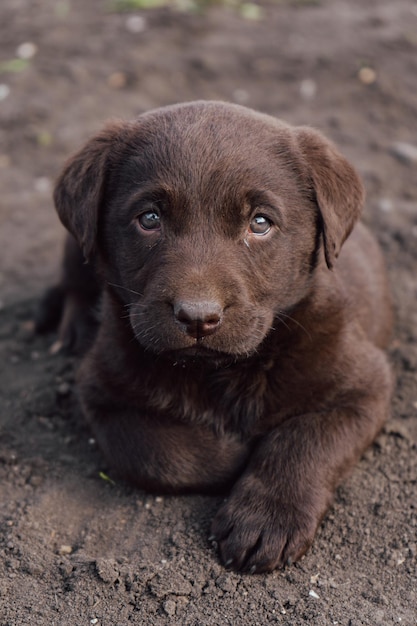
231	399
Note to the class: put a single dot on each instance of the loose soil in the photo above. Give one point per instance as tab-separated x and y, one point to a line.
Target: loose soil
77	548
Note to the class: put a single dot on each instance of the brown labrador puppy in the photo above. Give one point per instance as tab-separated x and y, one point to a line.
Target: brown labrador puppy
235	349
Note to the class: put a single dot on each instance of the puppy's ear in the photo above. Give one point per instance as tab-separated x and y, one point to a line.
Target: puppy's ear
338	189
80	188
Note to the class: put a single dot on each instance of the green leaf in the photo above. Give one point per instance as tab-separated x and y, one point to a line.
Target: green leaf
14	65
106	478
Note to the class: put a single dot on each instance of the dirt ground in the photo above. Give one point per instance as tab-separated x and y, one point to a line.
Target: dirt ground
76	548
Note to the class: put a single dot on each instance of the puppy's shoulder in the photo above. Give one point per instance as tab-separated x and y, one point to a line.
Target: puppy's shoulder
362	272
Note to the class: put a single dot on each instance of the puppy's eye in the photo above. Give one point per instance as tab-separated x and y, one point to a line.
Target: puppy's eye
260	225
150	220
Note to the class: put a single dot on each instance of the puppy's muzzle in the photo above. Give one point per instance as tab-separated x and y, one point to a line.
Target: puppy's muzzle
198	319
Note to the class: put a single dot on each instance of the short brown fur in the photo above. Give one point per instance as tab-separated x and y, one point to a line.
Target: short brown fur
235	349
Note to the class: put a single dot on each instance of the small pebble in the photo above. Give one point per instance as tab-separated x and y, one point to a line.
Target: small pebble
226	583
367	75
64	389
385	205
136	24
4	91
117	80
107	570
46	422
170	607
64	549
43	184
313	594
404	152
55	347
308	89
26	50
241	96
66	568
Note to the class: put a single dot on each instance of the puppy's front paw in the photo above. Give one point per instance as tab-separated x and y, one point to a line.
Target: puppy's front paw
258	532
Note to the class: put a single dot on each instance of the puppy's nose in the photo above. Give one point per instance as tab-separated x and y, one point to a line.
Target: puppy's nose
199	319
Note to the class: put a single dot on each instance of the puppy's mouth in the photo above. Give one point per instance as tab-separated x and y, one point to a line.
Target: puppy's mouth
237	338
199	354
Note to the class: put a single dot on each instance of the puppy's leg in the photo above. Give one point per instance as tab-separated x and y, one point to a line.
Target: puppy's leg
166	457
276	506
70	305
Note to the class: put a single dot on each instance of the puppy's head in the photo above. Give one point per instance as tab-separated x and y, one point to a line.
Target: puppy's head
208	221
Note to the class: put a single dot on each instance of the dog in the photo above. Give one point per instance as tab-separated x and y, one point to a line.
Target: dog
236	351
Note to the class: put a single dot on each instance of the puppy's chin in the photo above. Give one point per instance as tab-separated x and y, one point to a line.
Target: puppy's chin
221	354
200	356
197	354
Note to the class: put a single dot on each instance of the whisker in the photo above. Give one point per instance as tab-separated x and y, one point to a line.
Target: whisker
125	288
282	321
281	314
